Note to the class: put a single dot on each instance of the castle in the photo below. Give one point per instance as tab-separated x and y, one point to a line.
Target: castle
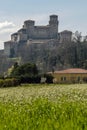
30	34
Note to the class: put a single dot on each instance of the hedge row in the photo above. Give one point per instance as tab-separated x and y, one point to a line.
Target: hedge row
15	81
35	79
29	79
9	82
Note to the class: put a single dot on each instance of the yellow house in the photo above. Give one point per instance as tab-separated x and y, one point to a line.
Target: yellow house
73	75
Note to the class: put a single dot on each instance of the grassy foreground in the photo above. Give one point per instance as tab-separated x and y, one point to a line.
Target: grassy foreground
44	107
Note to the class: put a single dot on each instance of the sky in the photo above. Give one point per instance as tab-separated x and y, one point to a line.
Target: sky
72	15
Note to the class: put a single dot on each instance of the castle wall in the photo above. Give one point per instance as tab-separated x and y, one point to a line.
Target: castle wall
65	36
42	32
32	32
22	37
7	47
36	32
14	37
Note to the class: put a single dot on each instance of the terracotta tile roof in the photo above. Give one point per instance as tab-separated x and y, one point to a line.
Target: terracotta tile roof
72	70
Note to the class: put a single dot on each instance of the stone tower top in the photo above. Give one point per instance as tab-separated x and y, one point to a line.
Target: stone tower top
28	23
53	20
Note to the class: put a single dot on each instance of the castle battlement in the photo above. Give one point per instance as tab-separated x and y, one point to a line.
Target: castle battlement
30	33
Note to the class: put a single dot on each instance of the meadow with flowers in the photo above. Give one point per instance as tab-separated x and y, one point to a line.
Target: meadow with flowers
44	107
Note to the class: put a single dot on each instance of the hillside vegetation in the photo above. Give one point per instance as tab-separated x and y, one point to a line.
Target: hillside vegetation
44	107
49	56
55	56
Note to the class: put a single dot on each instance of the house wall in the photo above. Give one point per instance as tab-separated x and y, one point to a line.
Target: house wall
69	78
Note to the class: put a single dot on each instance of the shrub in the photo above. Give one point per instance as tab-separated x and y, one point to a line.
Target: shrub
25	69
29	79
49	78
1	77
85	79
1	82
9	82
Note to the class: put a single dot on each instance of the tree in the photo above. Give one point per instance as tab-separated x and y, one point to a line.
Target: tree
49	78
85	39
28	69
77	37
16	65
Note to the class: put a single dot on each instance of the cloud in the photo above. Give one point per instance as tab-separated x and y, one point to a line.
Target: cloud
6	24
6	27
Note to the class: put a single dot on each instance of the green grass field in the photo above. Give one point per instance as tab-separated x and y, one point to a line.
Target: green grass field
44	107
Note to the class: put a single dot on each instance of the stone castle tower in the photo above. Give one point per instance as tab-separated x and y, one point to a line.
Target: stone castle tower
42	32
29	32
32	34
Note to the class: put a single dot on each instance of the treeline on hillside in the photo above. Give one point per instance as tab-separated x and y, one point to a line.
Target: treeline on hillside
49	57
58	56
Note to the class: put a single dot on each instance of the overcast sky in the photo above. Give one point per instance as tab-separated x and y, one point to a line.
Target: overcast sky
72	15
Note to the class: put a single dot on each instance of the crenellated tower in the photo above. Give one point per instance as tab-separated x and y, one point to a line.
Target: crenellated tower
53	23
29	26
30	33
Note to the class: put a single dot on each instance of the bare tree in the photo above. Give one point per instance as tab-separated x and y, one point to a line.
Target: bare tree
85	39
77	37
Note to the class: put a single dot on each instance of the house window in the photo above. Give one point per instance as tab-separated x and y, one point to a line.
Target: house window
79	79
63	78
